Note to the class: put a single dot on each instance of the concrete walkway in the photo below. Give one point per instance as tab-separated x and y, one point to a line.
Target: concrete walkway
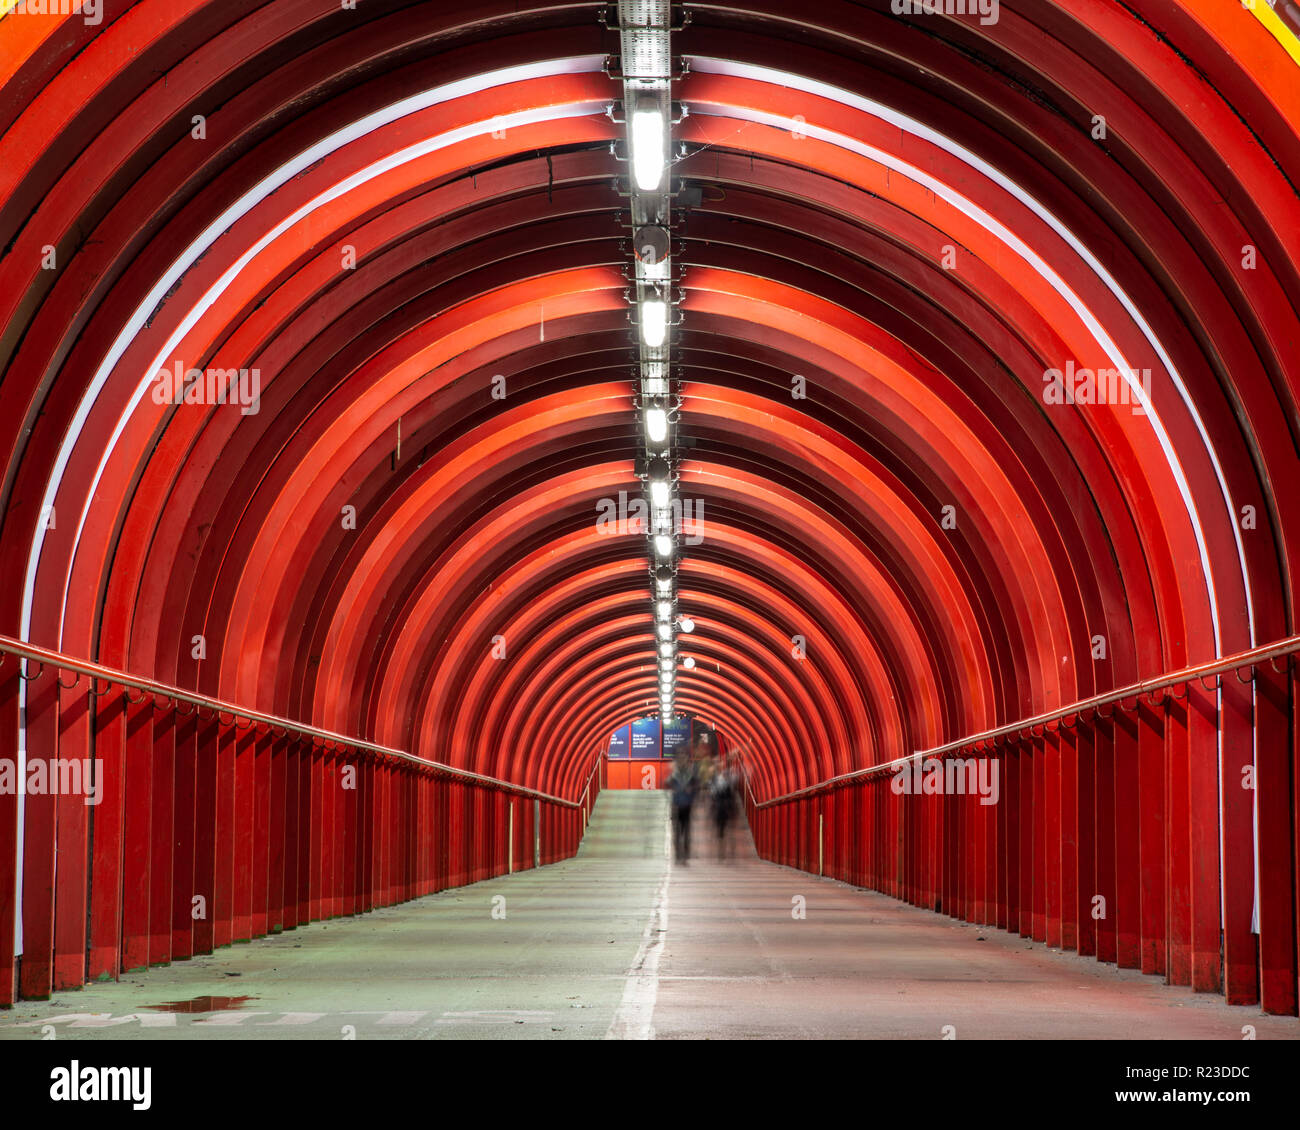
620	942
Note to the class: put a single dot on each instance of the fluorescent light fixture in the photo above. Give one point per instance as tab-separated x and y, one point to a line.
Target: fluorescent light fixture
660	493
664	545
648	145
656	425
665	609
665	649
654	322
665	587
687	624
665	631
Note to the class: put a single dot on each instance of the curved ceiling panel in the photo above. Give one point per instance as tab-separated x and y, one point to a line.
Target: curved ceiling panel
403	232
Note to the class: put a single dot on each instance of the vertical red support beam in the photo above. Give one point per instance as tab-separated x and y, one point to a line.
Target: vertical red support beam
323	832
947	834
1205	853
339	833
136	834
292	831
278	830
335	832
412	833
441	831
1038	851
331	831
1029	797
1240	957
1009	835
790	833
962	830
307	810
451	833
259	885
211	733
1049	749
183	887
369	833
1178	845
383	841
1128	864
1151	834
9	692
358	808
931	814
349	858
502	842
852	830
225	838
106	830
875	820
522	808
466	844
1295	787
1102	897
160	847
824	833
1274	789
292	793
808	835
36	974
350	792
992	843
396	834
70	776
483	834
845	832
315	868
424	781
1082	883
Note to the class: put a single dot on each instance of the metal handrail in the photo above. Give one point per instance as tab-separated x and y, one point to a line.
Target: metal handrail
595	766
121	678
1251	658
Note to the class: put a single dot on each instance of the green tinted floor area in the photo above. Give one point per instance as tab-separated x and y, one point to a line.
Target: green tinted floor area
621	942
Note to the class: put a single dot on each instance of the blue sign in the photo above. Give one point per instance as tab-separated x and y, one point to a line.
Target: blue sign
619	742
645	738
677	734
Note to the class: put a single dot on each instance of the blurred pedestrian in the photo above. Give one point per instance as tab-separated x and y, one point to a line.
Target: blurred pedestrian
724	792
683	783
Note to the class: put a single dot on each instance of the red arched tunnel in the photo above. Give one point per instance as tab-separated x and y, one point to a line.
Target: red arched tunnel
981	380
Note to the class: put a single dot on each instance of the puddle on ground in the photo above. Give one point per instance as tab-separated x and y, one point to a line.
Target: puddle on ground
201	1004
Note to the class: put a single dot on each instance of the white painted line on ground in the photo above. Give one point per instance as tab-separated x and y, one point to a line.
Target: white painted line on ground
635	1015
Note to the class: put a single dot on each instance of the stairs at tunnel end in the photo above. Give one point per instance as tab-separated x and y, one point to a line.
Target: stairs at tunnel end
626	824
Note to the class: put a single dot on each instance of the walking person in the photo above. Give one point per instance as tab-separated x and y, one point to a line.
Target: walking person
683	783
724	793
